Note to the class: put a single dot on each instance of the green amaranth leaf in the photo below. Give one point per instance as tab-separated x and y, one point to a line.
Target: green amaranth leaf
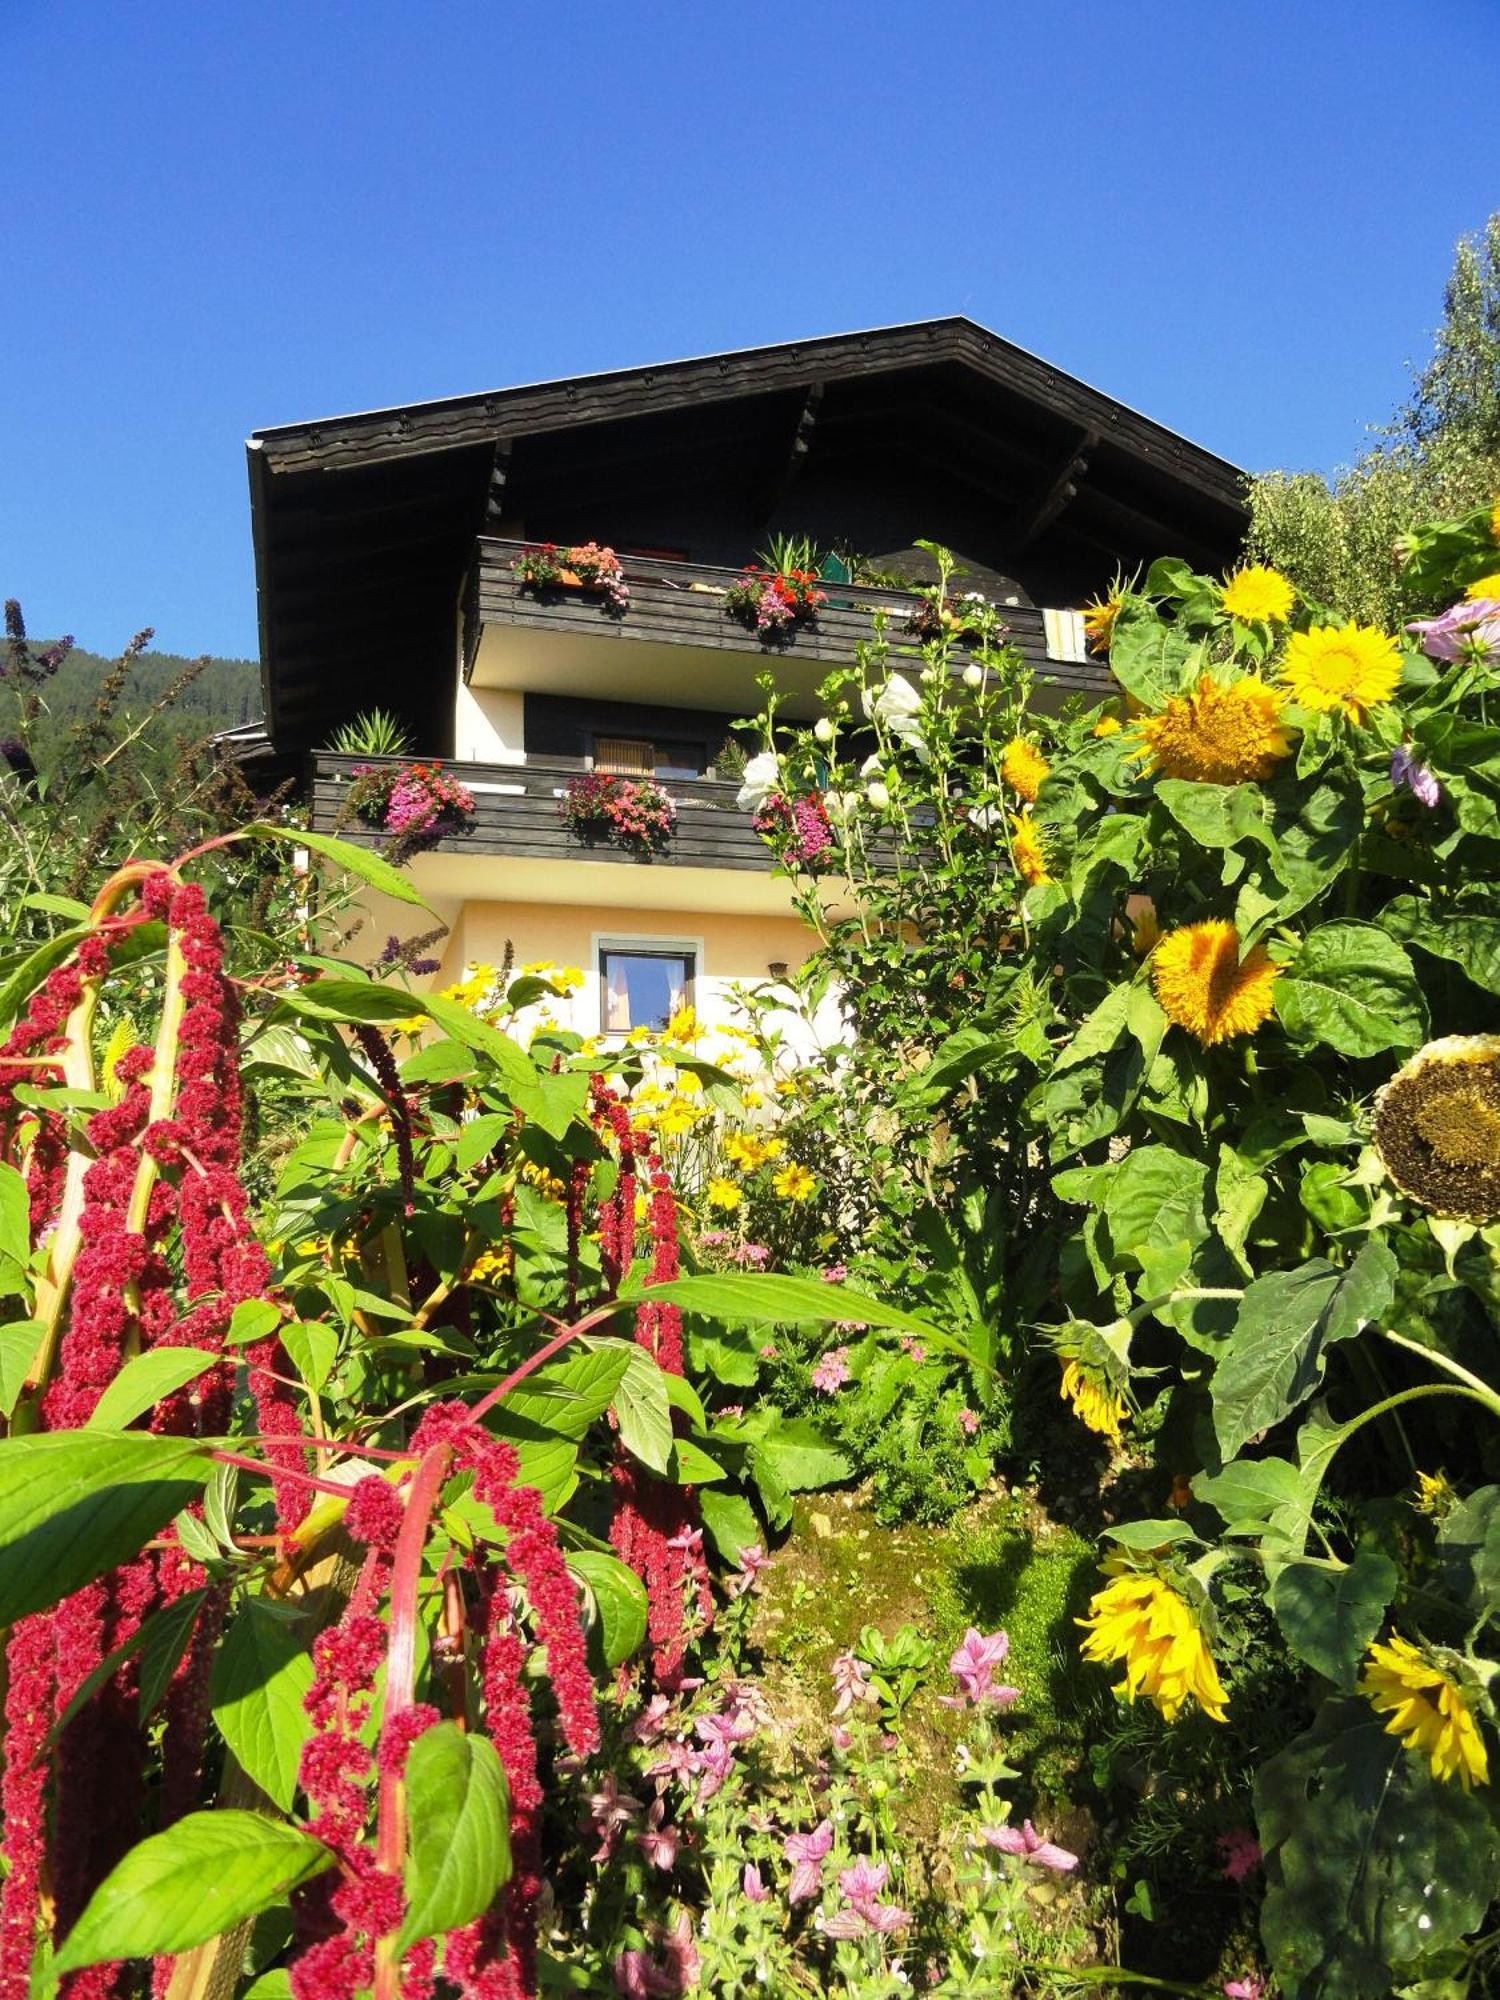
458	1812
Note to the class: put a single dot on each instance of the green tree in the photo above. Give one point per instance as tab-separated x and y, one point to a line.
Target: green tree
1440	455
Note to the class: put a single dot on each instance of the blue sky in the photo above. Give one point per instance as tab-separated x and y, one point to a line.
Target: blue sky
1237	217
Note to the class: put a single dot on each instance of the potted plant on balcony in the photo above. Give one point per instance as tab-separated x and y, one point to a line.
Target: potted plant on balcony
632	813
416	805
776	595
589	566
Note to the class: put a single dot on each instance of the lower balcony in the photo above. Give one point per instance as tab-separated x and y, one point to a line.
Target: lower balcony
517	849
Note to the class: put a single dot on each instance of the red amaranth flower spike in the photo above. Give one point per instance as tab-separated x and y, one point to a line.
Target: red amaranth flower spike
378	1051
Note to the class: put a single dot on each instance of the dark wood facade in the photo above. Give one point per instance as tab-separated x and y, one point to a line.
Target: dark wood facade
368	528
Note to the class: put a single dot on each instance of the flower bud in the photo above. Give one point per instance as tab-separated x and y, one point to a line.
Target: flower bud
823	729
878	795
973	675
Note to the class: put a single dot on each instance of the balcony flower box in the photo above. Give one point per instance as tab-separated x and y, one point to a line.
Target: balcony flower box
587	566
631	813
416	805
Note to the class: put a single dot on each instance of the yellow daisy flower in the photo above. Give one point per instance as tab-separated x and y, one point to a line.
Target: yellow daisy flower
493	1264
1205	986
1258	595
1030	854
1099	620
794	1182
1352	668
1023	767
1145	1625
1107	725
1217	735
1428	1711
723	1194
1484	586
1094	1402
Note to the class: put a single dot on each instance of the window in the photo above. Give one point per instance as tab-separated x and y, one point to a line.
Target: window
642	988
636	757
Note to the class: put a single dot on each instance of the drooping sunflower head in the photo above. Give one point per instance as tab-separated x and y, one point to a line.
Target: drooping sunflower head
1099	619
1258	595
1428	1709
1484	587
1351	668
1437	1127
1023	767
1095	1375
1030	854
1143	1622
1205	986
1217	735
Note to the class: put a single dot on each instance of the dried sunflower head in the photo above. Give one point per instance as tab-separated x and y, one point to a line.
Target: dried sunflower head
1437	1127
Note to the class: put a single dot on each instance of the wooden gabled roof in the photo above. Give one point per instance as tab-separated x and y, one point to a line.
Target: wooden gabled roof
363	523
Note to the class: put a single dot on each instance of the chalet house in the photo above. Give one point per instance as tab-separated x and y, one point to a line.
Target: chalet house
384	546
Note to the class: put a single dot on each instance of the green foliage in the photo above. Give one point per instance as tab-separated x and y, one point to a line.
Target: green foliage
375	733
1339	543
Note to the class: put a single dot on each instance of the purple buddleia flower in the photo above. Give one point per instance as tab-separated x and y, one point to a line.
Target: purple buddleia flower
1407	770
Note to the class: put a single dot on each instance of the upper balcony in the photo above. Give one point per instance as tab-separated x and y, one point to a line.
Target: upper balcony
675	642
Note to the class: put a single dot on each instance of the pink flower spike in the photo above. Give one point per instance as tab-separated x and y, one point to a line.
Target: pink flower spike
1027	1844
807	1853
754	1888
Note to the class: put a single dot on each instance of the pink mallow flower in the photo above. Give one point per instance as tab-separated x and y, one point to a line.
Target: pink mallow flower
861	1886
1027	1845
1241	1852
807	1852
973	1667
832	1372
754	1888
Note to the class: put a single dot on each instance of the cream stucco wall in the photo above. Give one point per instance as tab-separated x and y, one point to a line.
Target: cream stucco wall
489	725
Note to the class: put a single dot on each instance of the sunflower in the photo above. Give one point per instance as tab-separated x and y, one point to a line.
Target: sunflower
1023	767
1217	735
1484	586
1143	1622
1258	596
1095	1402
1437	1127
1206	987
1427	1710
1099	620
1350	667
1030	854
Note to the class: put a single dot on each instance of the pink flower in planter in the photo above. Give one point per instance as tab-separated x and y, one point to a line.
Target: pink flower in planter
973	1666
1027	1845
807	1852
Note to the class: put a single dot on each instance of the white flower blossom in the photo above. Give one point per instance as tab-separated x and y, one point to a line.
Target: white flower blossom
761	777
973	675
823	729
878	796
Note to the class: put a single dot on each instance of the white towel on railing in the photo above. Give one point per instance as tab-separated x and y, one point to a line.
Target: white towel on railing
1065	635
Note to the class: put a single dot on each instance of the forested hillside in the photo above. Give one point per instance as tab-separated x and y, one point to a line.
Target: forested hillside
224	694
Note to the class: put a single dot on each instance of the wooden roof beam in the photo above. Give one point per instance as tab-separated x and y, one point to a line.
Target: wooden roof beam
1036	515
795	457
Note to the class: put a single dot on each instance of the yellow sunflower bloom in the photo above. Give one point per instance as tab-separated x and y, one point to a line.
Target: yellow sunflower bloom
1205	986
1428	1711
1023	767
1142	1623
723	1194
1217	735
1484	586
1353	668
1258	595
1099	620
1094	1402
794	1182
1030	854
